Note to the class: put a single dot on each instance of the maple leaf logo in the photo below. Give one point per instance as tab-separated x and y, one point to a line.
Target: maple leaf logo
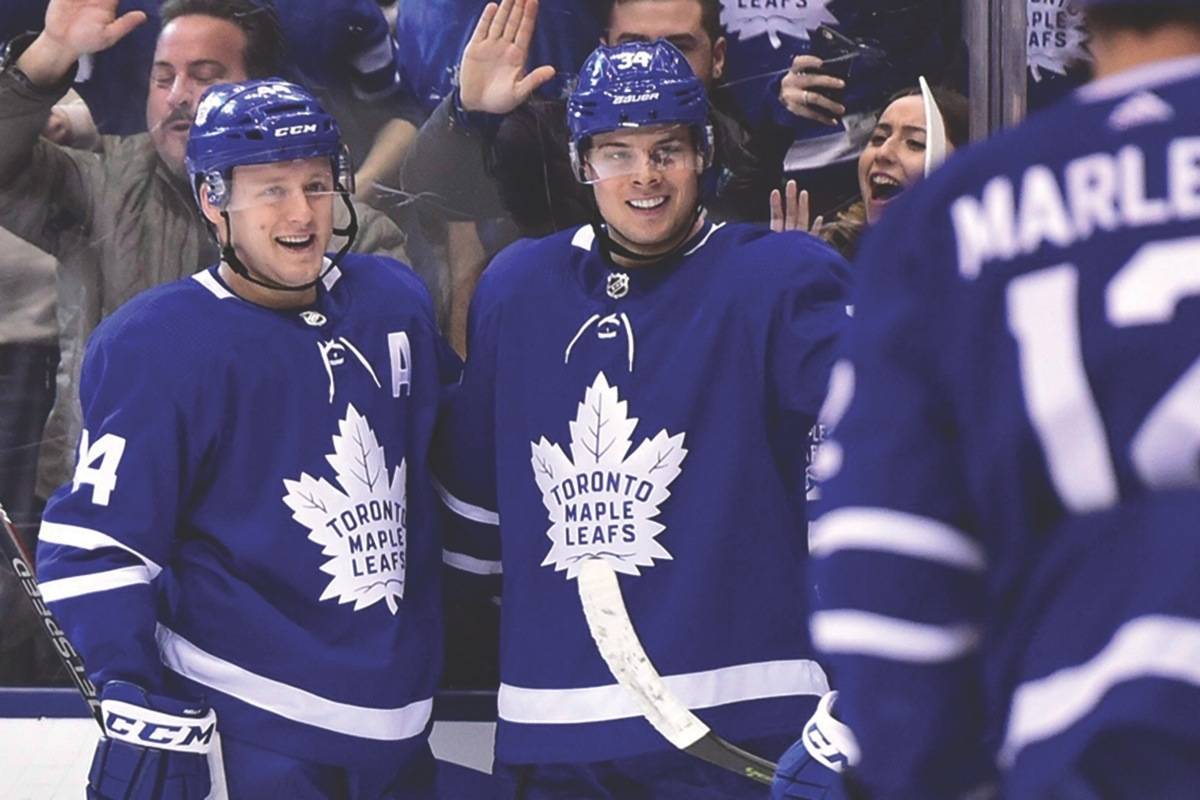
795	21
1057	39
360	527
602	504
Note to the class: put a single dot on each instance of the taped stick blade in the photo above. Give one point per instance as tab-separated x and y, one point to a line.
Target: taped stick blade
610	626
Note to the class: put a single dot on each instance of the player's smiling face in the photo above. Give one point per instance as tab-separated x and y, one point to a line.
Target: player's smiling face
282	221
894	157
647	186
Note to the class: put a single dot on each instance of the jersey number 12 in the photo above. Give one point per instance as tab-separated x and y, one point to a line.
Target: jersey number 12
1043	314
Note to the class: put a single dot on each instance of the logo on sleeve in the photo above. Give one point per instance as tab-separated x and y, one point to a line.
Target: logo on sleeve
602	501
361	526
750	18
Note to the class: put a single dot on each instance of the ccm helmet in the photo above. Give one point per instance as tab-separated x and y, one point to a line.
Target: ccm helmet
259	122
635	85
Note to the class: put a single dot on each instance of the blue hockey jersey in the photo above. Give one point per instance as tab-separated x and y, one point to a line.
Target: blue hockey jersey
252	520
656	418
1020	387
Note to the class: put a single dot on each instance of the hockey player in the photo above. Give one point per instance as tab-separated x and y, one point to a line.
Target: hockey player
1006	559
640	390
246	556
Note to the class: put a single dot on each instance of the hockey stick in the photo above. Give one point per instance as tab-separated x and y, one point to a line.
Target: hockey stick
19	560
619	646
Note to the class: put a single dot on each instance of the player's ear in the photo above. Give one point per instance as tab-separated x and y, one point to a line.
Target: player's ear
210	211
718	58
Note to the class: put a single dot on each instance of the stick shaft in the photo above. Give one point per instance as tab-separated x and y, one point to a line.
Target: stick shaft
15	556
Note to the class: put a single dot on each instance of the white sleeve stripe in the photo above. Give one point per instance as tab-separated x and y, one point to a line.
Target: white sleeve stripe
864	633
65	588
88	539
1146	647
465	509
887	531
466	563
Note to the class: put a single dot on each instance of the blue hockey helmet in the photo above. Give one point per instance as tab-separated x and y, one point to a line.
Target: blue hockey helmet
260	122
636	85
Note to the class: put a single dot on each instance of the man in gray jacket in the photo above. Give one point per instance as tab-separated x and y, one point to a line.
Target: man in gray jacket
123	220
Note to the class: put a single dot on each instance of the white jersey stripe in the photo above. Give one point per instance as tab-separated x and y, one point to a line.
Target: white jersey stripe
79	585
290	702
584	238
465	509
207	280
1145	647
887	531
466	563
89	539
331	276
707	689
864	633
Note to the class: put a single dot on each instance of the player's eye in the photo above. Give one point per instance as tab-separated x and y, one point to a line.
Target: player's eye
616	156
207	74
163	80
916	144
317	187
666	155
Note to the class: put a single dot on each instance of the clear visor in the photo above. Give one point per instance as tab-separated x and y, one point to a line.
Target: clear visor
281	182
607	160
280	195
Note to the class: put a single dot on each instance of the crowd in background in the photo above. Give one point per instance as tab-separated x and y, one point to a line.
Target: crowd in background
797	95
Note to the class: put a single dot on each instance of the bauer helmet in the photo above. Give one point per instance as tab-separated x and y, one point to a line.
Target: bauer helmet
635	85
260	122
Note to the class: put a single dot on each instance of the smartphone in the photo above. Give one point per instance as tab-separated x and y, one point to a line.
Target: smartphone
838	54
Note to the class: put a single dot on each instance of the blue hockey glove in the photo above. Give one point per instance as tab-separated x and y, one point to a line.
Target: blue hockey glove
810	769
155	747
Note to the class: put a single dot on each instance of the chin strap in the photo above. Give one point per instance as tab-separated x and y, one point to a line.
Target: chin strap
229	255
609	248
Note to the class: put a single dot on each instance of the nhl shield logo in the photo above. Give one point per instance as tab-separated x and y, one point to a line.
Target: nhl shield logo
314	318
617	285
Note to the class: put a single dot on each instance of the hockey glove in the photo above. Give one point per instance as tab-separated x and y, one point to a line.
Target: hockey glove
810	769
154	747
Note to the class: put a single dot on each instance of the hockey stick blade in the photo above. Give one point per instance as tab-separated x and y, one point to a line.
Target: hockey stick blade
19	560
619	646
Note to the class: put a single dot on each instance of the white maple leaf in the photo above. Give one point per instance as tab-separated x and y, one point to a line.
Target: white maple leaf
796	21
601	503
1051	45
361	526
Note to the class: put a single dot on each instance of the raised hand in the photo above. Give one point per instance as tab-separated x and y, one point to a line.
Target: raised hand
74	28
798	91
789	211
492	75
88	26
